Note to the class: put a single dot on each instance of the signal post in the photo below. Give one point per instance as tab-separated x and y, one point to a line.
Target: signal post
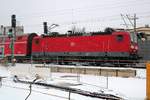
12	35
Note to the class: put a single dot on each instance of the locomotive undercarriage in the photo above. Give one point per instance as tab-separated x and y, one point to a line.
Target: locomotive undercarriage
88	60
98	60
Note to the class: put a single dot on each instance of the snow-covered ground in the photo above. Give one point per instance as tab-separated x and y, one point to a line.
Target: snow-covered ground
128	88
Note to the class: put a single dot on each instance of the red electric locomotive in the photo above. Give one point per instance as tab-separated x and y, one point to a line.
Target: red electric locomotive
93	48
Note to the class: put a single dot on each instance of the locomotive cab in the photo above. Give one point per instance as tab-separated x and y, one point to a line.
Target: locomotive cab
126	44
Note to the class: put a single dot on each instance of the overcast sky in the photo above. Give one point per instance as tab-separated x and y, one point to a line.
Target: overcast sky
91	14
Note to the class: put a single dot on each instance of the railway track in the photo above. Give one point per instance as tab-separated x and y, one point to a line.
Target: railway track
88	62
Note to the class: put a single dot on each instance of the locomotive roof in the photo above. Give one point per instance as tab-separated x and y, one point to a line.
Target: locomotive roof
56	34
107	31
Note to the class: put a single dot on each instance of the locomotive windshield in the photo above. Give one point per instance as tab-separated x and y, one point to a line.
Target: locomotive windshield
133	37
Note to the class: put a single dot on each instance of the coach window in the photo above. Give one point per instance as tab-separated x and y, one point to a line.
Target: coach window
119	37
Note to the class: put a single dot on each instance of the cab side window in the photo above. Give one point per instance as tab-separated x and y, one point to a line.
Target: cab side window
119	37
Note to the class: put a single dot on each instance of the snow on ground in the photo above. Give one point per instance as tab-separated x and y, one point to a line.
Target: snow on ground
4	72
130	88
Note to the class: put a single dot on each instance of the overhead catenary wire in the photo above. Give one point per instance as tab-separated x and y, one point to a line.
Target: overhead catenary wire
87	20
65	12
74	14
87	8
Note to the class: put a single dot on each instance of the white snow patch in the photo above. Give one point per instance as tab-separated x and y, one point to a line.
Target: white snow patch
130	88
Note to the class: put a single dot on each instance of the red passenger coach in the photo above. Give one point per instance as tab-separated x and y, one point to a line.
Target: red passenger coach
22	45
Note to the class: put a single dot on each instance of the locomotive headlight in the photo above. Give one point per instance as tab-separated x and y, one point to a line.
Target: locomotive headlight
136	47
132	47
